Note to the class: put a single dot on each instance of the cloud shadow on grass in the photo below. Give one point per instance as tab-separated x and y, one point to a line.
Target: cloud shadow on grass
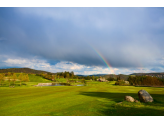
129	108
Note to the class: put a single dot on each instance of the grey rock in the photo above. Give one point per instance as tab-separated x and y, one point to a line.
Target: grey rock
129	98
136	101
144	96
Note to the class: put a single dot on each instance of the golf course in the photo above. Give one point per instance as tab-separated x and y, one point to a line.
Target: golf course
94	58
93	99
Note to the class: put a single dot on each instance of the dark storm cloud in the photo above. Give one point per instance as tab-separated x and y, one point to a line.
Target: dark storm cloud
126	37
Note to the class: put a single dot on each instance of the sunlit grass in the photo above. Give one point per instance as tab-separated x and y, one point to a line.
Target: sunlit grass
95	99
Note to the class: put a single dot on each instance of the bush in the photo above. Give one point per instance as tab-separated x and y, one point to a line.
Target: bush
111	79
83	81
117	83
121	82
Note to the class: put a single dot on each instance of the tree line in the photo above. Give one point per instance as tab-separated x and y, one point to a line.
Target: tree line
12	77
69	76
145	80
66	75
58	75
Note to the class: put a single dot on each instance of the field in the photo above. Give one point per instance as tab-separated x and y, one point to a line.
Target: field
95	99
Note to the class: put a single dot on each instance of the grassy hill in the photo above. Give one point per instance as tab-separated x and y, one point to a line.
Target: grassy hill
122	76
23	70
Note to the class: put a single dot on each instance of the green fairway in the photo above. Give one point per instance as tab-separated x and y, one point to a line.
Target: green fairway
95	99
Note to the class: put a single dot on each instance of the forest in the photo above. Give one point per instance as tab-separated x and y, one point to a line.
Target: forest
145	80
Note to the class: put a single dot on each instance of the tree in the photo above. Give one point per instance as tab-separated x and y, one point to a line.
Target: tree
63	74
87	78
27	78
110	79
93	77
20	78
14	78
96	78
72	74
67	80
9	79
53	78
118	78
67	75
1	77
9	74
24	78
83	81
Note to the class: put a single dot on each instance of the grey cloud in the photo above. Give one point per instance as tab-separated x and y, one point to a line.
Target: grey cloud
126	37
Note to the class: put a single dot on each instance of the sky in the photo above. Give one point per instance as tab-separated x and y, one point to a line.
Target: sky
95	40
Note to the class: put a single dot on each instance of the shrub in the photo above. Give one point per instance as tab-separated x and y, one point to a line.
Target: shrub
83	81
111	79
121	82
117	83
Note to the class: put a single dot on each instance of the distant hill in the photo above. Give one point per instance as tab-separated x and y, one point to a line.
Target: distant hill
106	76
125	77
159	75
93	75
81	75
23	70
122	76
162	73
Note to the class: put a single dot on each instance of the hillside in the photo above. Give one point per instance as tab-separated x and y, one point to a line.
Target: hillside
23	70
106	76
94	75
122	76
159	75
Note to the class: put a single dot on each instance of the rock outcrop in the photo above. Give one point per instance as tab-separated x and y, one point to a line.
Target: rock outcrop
144	96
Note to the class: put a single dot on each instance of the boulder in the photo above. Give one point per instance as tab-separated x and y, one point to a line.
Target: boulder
129	98
144	96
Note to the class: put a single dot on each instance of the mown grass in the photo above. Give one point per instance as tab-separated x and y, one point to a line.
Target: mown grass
95	99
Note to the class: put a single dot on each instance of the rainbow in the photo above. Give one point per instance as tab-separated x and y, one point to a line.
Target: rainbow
104	60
